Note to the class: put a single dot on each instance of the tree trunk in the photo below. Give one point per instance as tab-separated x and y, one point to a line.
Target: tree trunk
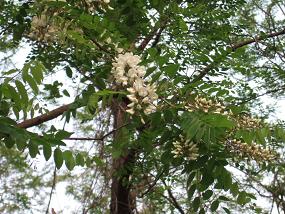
122	202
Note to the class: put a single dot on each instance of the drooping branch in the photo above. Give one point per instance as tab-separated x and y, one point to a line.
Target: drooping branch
233	48
44	117
155	33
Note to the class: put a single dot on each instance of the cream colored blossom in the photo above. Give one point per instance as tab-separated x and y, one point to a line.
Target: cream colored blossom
185	149
127	71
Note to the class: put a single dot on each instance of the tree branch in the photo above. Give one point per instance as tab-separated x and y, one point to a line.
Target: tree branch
260	95
156	32
52	189
44	117
173	199
233	48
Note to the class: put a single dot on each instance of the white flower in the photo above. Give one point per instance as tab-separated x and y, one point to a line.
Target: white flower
131	90
39	21
141	71
149	109
120	50
145	100
109	40
138	84
131	105
132	98
132	74
142	92
130	111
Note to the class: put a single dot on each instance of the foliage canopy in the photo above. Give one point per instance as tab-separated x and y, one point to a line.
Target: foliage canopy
159	101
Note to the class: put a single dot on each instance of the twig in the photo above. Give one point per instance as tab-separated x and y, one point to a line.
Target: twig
260	95
173	199
234	47
52	189
156	32
152	185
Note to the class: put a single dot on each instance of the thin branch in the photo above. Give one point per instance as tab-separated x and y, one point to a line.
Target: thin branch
158	35
156	32
234	47
52	189
173	199
152	185
260	95
44	117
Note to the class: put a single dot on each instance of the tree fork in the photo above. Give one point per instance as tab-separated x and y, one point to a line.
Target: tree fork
122	201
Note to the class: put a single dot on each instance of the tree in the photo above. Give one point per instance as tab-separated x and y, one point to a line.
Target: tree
165	92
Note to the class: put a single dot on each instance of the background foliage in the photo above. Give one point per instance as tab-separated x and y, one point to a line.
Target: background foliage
211	62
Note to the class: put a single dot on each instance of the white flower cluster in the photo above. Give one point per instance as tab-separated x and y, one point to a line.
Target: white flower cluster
184	148
102	4
207	106
99	1
127	72
249	123
42	29
253	151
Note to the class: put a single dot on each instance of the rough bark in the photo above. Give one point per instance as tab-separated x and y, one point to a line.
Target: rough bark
122	201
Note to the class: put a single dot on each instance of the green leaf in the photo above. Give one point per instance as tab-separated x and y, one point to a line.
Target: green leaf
100	83
37	72
242	199
80	159
206	181
12	71
9	142
196	203
23	92
21	144
69	160
47	151
215	205
98	161
224	198
218	120
152	52
207	194
32	83
65	92
68	71
88	162
4	108
14	95
191	125
191	191
58	158
171	69
227	210
62	134
93	102
33	149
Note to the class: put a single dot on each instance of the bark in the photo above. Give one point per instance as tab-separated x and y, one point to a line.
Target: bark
44	117
122	201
